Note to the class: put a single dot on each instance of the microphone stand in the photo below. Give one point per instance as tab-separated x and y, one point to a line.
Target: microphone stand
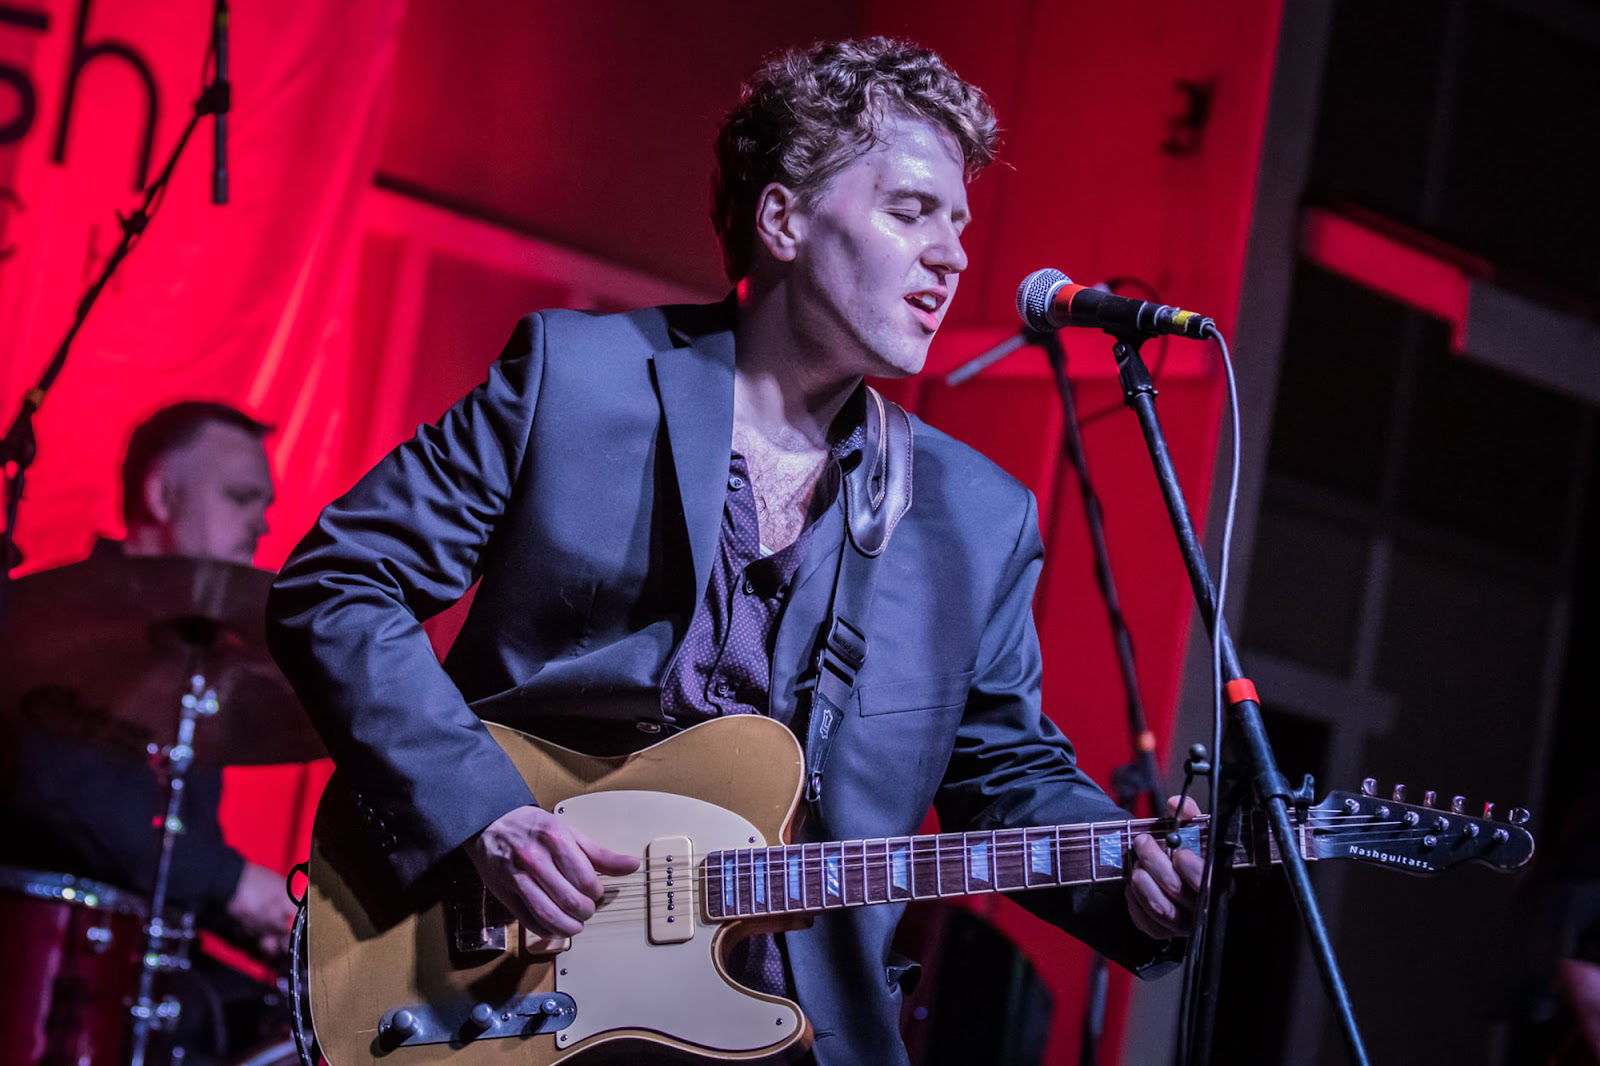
1140	775
19	446
1245	763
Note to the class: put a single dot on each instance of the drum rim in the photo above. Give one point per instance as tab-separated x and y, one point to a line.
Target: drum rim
72	890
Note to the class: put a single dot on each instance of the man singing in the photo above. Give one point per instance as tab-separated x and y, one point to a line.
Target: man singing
652	503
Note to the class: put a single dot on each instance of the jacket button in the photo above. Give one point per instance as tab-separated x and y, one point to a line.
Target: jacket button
647	726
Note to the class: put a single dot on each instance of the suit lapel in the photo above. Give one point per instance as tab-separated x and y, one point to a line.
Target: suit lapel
804	613
695	387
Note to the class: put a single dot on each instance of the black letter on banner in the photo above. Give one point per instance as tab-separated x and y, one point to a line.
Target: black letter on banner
27	97
82	56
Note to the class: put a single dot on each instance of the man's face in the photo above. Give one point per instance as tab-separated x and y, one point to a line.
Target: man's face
214	495
879	252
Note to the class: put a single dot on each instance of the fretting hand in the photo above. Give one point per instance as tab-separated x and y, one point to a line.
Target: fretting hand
1164	887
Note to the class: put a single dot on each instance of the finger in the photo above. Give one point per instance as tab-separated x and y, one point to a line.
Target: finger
1154	859
1149	908
1191	868
554	883
545	915
570	858
604	859
1191	809
1149	895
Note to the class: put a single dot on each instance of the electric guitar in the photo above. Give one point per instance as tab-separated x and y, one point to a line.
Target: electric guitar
709	811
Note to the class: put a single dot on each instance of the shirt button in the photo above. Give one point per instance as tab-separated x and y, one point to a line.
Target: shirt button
724	689
736	483
749	588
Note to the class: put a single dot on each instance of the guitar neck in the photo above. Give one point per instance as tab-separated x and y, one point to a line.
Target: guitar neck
803	878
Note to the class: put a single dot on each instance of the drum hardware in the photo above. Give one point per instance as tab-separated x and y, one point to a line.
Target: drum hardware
72	954
149	1015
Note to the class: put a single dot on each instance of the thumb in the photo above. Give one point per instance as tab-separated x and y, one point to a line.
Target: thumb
605	860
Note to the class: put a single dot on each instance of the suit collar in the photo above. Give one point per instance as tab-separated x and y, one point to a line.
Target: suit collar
694	382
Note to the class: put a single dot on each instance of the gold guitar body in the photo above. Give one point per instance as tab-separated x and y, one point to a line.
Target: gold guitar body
640	990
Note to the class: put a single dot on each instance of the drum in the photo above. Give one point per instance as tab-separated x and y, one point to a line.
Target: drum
73	950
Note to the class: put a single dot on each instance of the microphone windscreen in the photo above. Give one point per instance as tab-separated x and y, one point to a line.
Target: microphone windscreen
1033	298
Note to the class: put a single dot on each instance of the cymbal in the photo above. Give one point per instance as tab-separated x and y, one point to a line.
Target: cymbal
103	650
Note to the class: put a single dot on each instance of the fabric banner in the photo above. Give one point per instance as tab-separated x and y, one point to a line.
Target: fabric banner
247	303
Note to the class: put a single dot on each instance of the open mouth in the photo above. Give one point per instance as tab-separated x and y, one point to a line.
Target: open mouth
926	304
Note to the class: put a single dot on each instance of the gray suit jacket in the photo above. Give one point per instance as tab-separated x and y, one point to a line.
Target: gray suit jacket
583	484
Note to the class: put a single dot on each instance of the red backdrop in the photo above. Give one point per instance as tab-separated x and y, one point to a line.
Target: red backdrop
344	315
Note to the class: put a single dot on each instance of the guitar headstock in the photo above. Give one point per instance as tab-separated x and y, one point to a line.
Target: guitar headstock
1418	839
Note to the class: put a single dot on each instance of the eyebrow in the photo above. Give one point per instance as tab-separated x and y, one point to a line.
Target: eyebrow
928	200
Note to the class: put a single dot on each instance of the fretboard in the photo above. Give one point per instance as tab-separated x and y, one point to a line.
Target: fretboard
799	878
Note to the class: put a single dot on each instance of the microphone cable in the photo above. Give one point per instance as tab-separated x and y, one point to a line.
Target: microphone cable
1215	829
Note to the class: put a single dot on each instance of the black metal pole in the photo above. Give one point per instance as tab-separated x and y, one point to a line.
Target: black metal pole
19	446
1260	766
1140	776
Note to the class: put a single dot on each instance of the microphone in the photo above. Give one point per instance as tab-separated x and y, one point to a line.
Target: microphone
1047	300
220	104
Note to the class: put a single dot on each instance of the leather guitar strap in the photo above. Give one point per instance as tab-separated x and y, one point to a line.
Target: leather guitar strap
877	494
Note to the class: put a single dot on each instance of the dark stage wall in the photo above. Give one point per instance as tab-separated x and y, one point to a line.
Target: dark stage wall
411	177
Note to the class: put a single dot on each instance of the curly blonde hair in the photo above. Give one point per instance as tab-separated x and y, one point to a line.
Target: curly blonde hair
805	114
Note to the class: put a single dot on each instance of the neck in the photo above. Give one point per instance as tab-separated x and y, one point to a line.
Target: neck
146	540
784	388
802	878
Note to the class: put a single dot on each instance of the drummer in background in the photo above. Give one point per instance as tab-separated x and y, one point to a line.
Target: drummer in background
196	482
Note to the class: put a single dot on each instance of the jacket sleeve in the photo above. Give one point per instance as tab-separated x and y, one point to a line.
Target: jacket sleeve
344	618
1013	768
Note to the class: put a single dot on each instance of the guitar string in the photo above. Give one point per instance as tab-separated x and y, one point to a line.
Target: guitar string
813	859
633	890
627	907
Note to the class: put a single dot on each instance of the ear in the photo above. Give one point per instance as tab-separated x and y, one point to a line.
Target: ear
780	221
159	493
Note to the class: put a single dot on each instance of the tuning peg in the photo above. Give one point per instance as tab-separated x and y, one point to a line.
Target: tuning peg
1399	794
1458	804
1369	786
1518	816
1429	797
1488	810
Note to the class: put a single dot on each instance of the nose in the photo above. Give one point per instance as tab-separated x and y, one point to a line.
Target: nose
946	255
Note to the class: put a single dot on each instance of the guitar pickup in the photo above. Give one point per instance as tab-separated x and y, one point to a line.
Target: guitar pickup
669	884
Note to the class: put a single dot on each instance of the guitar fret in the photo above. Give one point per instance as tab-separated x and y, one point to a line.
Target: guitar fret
875	871
952	854
1075	854
900	868
924	868
855	889
980	860
1039	863
793	878
1010	860
811	870
730	883
833	875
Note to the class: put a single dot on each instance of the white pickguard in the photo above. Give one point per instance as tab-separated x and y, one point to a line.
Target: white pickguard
618	978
